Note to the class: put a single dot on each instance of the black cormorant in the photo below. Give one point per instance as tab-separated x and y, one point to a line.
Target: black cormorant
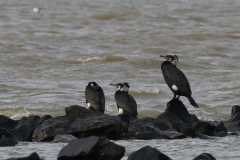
125	102
175	79
95	98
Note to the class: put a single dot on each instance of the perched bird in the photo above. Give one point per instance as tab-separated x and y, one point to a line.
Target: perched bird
125	102
95	98
175	79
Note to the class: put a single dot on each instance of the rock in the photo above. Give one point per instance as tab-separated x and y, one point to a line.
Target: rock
80	122
189	132
235	110
148	153
175	117
7	123
232	126
150	135
175	135
7	142
64	138
91	148
33	156
205	156
4	132
204	128
25	128
220	130
44	118
148	119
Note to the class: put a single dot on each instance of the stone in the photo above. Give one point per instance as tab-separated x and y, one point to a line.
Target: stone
91	148
80	122
150	135
205	156
64	138
7	142
175	135
148	119
33	156
189	132
220	130
235	110
204	128
44	118
7	123
4	132
148	153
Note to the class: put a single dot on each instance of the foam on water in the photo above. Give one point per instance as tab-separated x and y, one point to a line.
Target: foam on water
108	58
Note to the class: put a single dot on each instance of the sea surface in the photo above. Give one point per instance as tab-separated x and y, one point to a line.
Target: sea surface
48	58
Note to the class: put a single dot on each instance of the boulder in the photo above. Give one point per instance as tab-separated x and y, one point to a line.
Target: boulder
7	123
220	130
150	135
91	148
64	138
204	128
175	117
205	156
80	122
33	156
44	118
189	132
148	153
148	119
4	132
7	142
25	128
235	114
175	135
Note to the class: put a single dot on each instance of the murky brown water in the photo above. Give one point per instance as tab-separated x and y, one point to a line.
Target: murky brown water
47	59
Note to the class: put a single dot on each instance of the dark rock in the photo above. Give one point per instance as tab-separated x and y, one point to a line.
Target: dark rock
189	132
220	130
7	123
80	122
205	156
150	135
91	148
236	117
148	119
7	142
25	128
175	117
44	118
64	138
204	128
148	153
232	126
4	132
235	110
175	135
172	122
33	156
125	136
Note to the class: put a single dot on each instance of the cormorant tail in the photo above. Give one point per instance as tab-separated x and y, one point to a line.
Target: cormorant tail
193	103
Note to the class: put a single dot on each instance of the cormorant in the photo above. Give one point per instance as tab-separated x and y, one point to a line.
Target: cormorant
95	98
175	79
126	104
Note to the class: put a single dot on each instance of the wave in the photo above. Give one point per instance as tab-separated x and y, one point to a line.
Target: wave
107	58
154	91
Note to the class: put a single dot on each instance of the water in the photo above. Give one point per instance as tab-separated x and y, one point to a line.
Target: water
47	59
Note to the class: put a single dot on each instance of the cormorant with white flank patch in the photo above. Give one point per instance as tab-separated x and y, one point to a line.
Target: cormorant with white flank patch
95	98
125	102
175	79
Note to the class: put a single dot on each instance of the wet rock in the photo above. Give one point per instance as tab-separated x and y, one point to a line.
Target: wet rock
64	138
189	132
91	148
7	123
7	142
232	126
204	128
205	156
80	122
220	130
33	156
4	132
148	119
148	153
175	117
235	114
175	135
44	118
25	128
150	135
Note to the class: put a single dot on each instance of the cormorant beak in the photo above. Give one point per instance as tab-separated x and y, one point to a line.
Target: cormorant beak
114	85
165	57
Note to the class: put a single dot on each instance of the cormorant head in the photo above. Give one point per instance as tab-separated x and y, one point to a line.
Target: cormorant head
123	87
94	85
171	58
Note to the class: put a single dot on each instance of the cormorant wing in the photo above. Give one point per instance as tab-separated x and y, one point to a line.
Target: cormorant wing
126	102
91	94
173	75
